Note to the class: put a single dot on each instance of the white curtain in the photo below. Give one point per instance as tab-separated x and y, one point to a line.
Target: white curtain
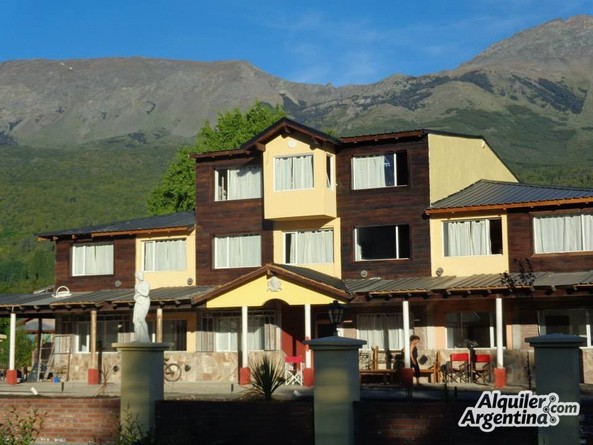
237	251
465	238
227	333
562	233
92	259
370	171
164	255
293	172
244	182
310	247
382	330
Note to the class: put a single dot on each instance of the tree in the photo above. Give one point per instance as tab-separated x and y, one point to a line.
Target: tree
176	190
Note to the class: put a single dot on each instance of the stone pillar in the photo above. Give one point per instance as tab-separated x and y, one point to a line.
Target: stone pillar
142	382
337	386
557	371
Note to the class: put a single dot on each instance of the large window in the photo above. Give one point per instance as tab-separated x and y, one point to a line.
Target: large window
92	259
221	331
309	247
565	321
377	171
237	251
473	237
384	330
163	255
382	242
475	327
174	332
111	329
568	233
238	183
293	172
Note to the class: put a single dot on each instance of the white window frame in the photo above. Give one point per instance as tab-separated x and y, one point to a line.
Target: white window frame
470	237
234	183
80	255
330	172
287	178
376	327
368	174
566	233
164	255
309	239
247	255
358	250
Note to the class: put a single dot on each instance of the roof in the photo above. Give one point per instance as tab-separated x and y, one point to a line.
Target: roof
486	194
185	220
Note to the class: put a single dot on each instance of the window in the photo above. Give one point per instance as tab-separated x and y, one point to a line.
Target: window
382	242
293	172
476	327
221	332
174	331
377	171
329	172
383	330
569	233
473	237
309	247
110	329
238	183
92	259
564	321
164	255
237	251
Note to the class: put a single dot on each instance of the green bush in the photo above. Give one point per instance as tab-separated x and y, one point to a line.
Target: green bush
267	375
20	429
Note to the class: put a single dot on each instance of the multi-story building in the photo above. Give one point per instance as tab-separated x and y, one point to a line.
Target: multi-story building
415	231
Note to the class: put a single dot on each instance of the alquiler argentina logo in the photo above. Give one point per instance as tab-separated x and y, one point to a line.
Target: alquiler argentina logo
494	409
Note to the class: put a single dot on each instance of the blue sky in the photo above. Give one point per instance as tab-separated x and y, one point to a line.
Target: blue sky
311	41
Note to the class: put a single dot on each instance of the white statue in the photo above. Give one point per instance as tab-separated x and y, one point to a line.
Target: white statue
141	306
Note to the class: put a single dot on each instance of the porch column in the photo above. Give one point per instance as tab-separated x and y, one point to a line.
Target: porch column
500	372
93	375
406	316
159	325
244	373
308	371
11	374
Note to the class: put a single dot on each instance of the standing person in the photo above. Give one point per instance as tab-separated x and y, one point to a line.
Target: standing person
141	306
414	340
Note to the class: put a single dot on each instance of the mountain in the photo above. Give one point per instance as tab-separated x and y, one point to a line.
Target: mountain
84	141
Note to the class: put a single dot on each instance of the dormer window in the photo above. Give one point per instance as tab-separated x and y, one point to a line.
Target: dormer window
379	171
293	172
238	183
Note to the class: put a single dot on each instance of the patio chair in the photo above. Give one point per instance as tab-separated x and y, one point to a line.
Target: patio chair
293	370
457	368
482	369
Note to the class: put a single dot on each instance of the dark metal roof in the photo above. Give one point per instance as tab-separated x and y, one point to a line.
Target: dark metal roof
314	275
182	219
496	193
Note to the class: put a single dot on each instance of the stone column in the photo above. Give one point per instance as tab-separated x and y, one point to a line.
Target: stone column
557	371
337	386
142	382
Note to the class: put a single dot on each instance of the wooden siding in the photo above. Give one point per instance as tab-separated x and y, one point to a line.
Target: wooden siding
521	243
124	252
386	206
220	218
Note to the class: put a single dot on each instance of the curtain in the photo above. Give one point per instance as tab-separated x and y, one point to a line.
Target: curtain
373	171
293	173
465	238
382	330
237	251
244	182
310	247
164	255
562	233
92	259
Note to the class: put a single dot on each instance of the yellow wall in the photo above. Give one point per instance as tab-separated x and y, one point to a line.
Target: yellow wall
294	204
256	294
467	265
173	278
335	268
456	162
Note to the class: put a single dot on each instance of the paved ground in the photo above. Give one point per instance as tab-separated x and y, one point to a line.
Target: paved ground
229	391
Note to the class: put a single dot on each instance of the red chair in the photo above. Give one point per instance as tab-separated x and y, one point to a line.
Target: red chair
457	368
293	370
482	367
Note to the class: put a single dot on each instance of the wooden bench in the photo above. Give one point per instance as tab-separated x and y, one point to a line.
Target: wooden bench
433	372
387	375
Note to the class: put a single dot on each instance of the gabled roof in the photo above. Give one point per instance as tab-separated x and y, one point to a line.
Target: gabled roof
487	194
182	220
282	126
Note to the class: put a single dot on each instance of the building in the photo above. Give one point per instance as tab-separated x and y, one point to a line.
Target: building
414	231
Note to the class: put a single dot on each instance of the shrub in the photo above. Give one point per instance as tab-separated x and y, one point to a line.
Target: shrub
20	429
267	375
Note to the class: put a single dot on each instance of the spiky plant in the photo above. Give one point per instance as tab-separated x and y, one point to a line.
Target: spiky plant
267	375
